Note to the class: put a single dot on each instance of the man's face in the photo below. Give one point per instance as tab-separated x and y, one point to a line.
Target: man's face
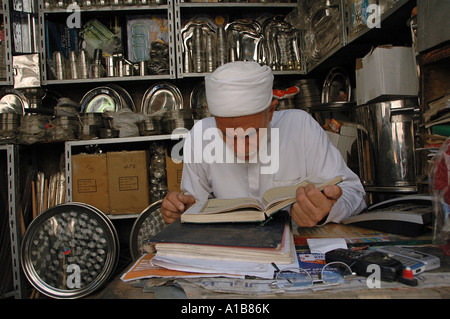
244	133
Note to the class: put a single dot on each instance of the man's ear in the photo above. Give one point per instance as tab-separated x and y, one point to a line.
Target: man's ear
272	108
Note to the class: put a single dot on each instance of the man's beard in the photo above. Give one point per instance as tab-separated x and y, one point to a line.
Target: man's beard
258	144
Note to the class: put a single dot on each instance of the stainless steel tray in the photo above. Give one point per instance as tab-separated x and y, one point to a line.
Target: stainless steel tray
101	99
69	250
161	97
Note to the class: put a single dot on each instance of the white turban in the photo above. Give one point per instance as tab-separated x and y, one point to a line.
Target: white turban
238	89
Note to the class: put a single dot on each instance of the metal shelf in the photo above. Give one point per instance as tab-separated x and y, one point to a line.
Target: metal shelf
12	160
234	5
110	79
45	13
109	8
8	44
384	16
189	7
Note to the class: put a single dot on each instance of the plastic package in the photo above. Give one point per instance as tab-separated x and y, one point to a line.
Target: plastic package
126	121
440	189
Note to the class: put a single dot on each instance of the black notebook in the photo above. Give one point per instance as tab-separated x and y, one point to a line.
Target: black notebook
229	241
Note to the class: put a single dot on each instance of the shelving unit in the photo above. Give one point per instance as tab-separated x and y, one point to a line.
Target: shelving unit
12	161
75	147
348	49
234	10
88	13
5	16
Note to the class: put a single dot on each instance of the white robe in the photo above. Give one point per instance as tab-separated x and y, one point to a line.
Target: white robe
304	151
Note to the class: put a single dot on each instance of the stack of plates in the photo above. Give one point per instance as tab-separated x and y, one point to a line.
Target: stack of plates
9	122
64	128
90	125
310	93
151	126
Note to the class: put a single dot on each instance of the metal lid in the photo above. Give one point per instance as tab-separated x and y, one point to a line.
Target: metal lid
69	250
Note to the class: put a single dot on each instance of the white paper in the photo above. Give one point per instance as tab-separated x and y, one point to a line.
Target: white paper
204	265
323	245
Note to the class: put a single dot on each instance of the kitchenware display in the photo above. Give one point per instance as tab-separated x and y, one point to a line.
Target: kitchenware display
273	42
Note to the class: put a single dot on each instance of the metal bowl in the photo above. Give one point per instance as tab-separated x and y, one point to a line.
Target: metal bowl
69	250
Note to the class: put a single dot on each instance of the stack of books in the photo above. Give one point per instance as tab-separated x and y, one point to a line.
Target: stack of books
437	121
233	248
240	236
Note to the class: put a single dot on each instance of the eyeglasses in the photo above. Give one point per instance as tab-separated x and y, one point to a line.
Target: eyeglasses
333	273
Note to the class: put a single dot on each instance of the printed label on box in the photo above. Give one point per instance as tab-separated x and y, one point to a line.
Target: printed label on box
128	183
86	185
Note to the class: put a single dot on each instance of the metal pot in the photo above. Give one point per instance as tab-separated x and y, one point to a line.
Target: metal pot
386	143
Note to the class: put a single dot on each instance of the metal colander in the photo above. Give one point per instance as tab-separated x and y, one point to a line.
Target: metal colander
69	250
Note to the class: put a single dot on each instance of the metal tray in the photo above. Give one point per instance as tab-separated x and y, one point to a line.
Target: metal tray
148	224
13	101
161	97
127	101
69	250
101	99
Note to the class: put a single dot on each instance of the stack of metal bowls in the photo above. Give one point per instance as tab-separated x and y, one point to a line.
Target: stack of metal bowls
90	125
181	118
151	126
9	122
65	128
310	93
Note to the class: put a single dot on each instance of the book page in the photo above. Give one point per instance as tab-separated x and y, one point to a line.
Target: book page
280	193
288	192
217	205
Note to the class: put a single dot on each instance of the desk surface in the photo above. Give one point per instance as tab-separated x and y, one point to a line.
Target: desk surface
117	289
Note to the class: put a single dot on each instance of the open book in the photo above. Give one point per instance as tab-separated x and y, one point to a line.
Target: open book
217	210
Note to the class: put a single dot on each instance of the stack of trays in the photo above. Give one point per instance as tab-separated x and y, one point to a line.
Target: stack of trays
310	93
181	118
9	122
90	125
151	126
64	128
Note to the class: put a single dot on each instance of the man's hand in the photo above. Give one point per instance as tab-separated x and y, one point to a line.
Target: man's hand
313	205
174	204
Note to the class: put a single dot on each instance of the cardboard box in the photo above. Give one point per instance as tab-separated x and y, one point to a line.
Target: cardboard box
128	182
345	139
386	72
90	180
174	171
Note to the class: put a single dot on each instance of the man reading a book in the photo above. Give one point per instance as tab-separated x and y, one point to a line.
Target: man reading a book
261	149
